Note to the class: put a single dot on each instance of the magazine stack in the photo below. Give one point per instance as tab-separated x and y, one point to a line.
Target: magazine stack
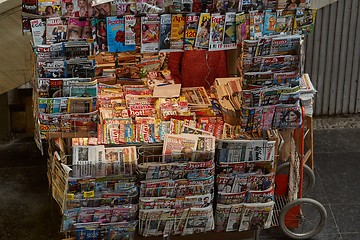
245	184
131	150
177	192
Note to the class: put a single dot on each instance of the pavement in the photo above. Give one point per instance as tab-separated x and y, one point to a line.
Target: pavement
27	211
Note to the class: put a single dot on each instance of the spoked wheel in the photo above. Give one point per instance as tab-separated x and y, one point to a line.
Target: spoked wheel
302	218
308	176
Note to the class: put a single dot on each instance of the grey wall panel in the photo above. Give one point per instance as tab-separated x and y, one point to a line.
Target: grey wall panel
333	58
355	68
337	14
330	36
315	61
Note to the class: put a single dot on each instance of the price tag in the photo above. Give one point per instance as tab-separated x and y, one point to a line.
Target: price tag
89	194
70	196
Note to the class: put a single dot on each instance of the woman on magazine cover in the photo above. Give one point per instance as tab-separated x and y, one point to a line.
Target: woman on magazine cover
69	9
82	9
101	35
292	4
290	118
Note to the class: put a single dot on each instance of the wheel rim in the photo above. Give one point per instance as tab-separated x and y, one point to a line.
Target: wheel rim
303	220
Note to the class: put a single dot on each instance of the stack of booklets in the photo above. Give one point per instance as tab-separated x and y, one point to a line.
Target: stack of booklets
307	94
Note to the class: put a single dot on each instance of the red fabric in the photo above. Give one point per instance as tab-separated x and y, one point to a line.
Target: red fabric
174	64
198	67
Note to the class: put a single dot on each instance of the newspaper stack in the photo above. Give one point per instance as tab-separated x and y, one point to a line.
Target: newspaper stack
307	93
176	195
245	185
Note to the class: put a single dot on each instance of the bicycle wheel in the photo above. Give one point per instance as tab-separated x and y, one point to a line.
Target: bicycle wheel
308	177
302	218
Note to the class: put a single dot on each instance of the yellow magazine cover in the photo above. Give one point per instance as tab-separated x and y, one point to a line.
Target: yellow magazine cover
177	32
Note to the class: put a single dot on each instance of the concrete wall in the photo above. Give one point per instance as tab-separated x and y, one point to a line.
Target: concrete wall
15	47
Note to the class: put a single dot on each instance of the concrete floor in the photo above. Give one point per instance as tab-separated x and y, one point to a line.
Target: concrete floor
28	213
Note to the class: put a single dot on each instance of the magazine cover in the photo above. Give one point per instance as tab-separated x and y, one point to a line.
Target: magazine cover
29	6
222	213
102	10
281	4
256	215
191	25
101	34
199	220
269	23
256	24
122	7
260	196
220	6
258	150
74	28
287	116
233	222
80	105
165	30
304	21
83	161
152	222
285	21
49	8
231	151
186	6
245	5
179	147
120	160
167	222
216	32
75	8
130	22
177	32
115	27
267	117
38	31
203	31
55	30
87	230
241	27
83	89
196	96
150	29
231	198
229	38
287	45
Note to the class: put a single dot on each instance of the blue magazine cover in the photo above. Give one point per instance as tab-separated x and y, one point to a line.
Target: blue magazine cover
269	23
115	27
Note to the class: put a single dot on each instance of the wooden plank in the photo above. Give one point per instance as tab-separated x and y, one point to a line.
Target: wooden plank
349	57
315	61
310	141
343	54
337	14
355	69
323	83
51	135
